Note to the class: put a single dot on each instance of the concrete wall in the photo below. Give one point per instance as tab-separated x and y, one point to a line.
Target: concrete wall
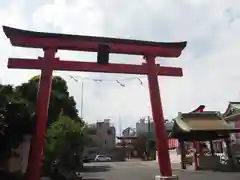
103	138
213	163
209	162
19	163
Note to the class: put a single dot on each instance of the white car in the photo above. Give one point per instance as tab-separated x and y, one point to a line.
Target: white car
102	158
223	159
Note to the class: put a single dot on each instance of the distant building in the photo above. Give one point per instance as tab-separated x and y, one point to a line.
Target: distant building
232	116
128	132
103	141
146	127
143	126
103	137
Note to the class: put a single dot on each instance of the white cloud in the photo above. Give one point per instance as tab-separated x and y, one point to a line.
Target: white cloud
72	17
210	61
13	15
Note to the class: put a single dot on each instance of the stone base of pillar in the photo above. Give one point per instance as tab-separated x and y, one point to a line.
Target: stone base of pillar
166	177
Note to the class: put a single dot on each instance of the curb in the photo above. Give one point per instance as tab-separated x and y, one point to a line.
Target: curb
187	170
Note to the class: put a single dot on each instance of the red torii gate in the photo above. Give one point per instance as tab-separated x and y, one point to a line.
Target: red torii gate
51	42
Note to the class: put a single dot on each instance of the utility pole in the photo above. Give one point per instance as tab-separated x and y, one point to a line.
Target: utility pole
148	137
120	126
81	111
81	106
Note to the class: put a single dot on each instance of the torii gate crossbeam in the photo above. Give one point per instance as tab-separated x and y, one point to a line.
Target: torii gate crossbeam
51	42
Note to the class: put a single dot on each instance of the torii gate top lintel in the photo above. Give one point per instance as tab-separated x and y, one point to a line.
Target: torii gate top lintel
23	38
103	46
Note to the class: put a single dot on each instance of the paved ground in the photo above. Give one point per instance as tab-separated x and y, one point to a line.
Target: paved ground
140	170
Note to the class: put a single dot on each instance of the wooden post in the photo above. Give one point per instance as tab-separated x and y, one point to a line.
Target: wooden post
157	112
200	148
229	153
195	156
221	146
183	154
37	142
212	148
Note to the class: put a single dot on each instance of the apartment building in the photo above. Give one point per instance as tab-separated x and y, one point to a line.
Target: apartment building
103	136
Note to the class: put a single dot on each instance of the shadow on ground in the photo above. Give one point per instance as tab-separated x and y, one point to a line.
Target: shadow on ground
113	160
93	179
93	168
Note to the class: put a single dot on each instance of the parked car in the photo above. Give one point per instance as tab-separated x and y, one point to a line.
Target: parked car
223	159
102	158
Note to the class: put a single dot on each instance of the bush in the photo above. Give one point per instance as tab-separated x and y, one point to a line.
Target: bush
65	140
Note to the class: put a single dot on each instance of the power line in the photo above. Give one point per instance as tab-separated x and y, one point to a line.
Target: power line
100	80
104	79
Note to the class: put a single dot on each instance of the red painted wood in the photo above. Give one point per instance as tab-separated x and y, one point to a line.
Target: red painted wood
158	119
19	63
237	124
196	164
199	109
49	63
93	46
172	143
43	40
37	141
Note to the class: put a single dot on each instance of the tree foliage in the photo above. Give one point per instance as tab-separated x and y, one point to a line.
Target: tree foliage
16	119
60	99
65	140
17	114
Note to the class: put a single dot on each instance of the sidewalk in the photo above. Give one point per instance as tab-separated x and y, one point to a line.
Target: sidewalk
175	159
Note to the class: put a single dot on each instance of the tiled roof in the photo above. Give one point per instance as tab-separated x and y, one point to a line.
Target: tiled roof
235	105
202	122
201	126
232	109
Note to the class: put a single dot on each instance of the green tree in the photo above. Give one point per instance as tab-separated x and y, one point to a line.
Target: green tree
16	120
65	140
59	101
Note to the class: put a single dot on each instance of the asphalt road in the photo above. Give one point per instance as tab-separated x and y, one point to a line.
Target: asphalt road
141	170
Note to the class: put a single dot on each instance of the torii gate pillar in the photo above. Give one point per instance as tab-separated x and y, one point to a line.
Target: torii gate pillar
43	97
157	112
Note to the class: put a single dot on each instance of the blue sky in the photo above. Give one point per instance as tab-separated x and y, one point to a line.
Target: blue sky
210	62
